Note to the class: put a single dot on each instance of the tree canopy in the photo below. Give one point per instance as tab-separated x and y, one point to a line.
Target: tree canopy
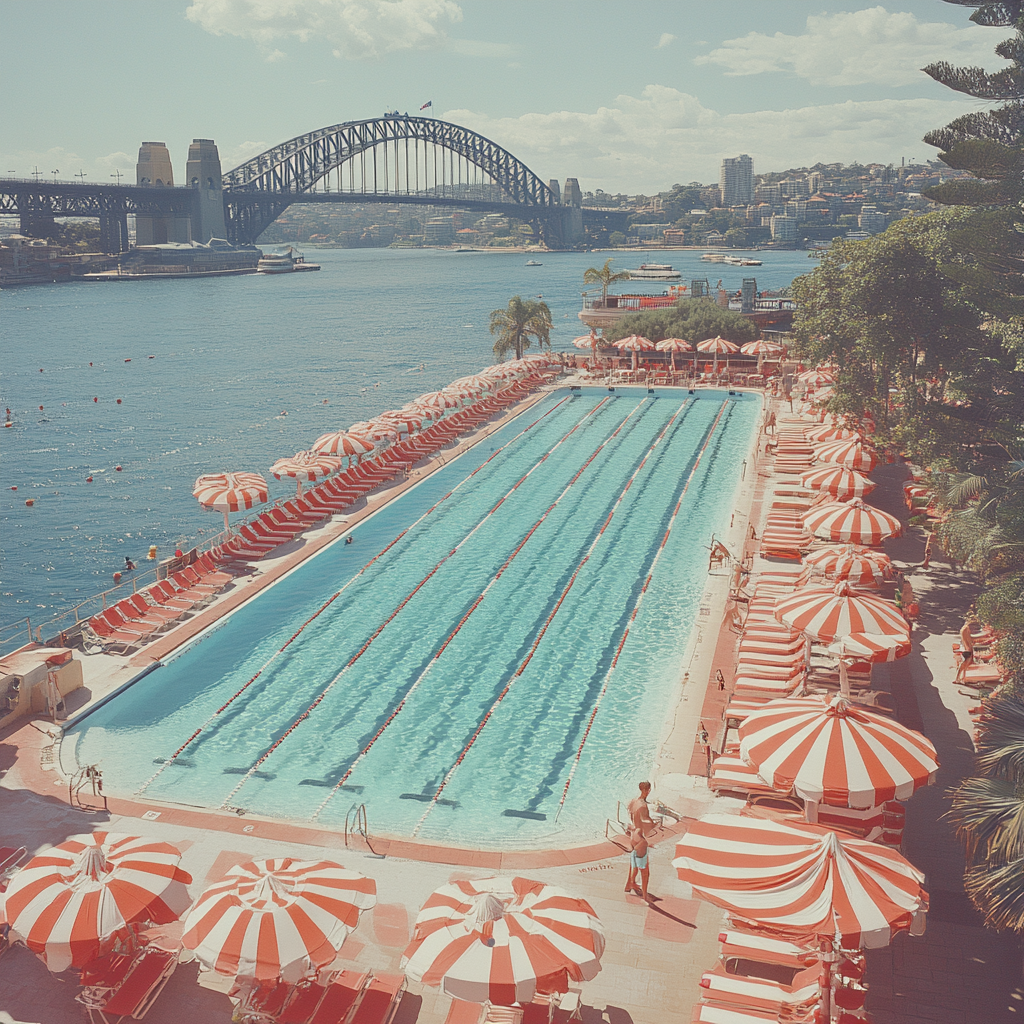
604	276
520	321
691	319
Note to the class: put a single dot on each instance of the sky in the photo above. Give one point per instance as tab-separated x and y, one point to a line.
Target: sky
625	95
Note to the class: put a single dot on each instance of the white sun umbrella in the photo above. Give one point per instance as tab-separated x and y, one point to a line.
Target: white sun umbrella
230	492
718	346
853	454
308	466
69	904
436	402
374	430
852	521
281	919
851	562
343	444
634	344
821	434
590	341
501	940
839	481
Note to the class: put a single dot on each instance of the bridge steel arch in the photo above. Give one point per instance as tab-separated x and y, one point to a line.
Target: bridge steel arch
259	190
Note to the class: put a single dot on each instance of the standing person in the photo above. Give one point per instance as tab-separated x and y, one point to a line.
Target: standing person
638	863
907	593
928	551
639	813
966	649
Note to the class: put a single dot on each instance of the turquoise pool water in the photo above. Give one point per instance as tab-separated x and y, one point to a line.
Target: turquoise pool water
524	599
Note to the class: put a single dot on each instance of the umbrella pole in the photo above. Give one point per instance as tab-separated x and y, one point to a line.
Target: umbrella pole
827	957
298	488
844	678
811	811
227	525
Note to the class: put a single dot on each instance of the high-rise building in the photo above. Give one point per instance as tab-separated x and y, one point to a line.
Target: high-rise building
871	219
784	229
815	182
736	180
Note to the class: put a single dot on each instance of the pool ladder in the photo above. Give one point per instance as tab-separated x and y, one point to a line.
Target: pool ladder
356	824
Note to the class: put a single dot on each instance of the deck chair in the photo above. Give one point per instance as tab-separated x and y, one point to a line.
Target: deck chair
758	994
134	993
767	950
380	999
153	611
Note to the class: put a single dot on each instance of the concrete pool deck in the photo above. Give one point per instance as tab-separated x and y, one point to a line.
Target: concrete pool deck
655	954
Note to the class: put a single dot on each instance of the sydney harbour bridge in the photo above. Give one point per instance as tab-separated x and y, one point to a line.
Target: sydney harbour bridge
391	159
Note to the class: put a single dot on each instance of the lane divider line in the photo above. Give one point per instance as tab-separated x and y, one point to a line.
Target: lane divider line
635	612
472	608
540	635
170	760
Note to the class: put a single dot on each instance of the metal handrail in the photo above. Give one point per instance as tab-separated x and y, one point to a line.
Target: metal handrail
357	824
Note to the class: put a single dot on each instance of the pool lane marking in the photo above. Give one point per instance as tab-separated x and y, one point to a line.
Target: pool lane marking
543	630
636	609
472	608
169	761
419	586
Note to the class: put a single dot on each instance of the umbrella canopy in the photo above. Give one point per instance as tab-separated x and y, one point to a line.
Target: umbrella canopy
674	345
405	420
635	344
761	348
374	430
833	751
230	492
816	378
307	466
872	647
436	402
718	346
847	453
503	939
852	521
839	481
474	384
799	878
820	434
345	444
67	904
855	564
276	919
827	613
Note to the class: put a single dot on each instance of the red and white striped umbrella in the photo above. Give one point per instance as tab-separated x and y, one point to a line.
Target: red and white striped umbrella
635	344
476	384
817	378
503	939
230	492
374	430
437	403
796	878
826	613
307	466
855	564
852	521
405	420
590	341
839	481
821	434
847	453
871	647
276	919
344	444
761	348
718	346
68	904
674	345
833	751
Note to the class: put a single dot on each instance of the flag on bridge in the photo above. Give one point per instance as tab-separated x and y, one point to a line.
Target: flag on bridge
429	103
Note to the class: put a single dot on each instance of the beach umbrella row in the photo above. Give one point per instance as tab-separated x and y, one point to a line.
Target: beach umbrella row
230	492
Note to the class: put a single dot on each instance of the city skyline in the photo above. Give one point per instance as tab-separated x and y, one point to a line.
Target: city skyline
679	88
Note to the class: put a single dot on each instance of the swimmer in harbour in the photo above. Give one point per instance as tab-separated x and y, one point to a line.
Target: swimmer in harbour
129	565
348	539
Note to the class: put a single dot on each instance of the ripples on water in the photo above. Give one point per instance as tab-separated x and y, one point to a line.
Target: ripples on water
245	370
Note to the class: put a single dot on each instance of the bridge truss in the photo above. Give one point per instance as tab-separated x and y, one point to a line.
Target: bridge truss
387	159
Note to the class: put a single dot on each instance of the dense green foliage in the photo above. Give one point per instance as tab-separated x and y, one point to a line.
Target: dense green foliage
691	319
520	321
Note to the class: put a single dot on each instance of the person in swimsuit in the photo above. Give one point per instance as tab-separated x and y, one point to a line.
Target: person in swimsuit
639	813
638	857
966	649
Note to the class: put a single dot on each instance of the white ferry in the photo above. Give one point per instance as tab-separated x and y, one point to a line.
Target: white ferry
284	262
654	272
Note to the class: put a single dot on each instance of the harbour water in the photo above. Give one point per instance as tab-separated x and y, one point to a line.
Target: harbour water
233	373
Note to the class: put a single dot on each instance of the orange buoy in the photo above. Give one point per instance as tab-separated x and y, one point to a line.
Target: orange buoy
40	408
117	468
117	577
127	360
30	502
14	488
152	553
119	401
88	479
95	399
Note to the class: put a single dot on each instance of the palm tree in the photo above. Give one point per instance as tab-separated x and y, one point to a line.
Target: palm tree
604	277
518	323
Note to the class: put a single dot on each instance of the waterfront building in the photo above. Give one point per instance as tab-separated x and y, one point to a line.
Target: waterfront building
674	236
736	180
439	231
871	219
783	228
647	232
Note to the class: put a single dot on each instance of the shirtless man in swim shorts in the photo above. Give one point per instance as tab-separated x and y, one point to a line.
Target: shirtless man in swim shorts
966	649
638	863
639	814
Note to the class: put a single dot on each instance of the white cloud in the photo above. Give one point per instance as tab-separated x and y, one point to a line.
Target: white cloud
666	38
857	47
356	29
648	142
274	56
240	152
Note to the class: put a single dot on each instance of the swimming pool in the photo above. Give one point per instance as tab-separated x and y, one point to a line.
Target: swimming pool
466	658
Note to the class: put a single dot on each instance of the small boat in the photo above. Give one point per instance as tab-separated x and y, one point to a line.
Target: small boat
284	262
534	263
654	272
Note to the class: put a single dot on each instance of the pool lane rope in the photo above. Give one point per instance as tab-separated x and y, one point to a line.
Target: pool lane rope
636	610
543	630
394	614
472	608
380	554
